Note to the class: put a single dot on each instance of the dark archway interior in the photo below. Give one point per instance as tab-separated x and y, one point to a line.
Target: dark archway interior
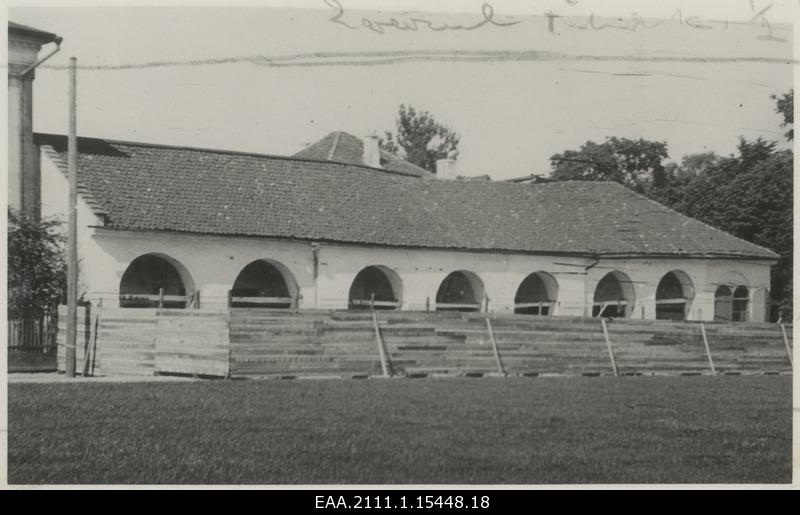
456	289
723	304
731	305
260	280
533	290
741	298
143	280
670	289
372	281
609	297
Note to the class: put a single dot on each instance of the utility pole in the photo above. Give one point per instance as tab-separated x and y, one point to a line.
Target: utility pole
72	235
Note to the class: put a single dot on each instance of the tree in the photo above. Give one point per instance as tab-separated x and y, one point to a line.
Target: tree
785	107
678	180
36	266
420	139
748	195
633	163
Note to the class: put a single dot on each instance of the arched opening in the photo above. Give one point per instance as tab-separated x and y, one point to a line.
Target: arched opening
741	299
460	291
731	303
536	295
154	280
264	284
375	287
613	296
723	304
674	295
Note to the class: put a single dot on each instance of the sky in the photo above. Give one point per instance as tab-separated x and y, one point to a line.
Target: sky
692	81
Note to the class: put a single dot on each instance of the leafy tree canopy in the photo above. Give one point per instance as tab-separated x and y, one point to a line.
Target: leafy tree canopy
633	163
420	139
784	106
36	266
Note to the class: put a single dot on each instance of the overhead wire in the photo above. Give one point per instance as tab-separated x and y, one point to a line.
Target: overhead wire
387	57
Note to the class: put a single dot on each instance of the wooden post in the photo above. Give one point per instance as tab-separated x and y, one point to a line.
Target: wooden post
160	298
427	303
72	232
708	350
230	299
486	303
91	341
381	350
372	301
494	347
786	342
610	350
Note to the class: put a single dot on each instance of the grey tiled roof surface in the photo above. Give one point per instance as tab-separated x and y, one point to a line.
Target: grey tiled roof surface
153	187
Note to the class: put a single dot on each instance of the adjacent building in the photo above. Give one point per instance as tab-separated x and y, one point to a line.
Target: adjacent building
24	45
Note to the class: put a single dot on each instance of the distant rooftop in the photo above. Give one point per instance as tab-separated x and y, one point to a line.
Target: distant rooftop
342	147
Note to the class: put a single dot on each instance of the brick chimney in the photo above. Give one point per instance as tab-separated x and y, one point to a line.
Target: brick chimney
24	176
372	151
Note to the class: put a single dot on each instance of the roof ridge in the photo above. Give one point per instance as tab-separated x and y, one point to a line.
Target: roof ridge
336	136
228	152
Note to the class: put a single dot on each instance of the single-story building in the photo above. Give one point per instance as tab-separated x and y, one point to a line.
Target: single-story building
342	225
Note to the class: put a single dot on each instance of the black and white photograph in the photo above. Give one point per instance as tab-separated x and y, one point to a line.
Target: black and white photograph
399	244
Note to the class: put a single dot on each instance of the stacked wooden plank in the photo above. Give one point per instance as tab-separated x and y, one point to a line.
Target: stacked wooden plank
741	348
418	343
125	342
267	342
275	343
657	347
428	348
192	342
250	342
535	345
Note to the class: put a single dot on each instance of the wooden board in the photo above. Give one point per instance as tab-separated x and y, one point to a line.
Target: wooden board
245	342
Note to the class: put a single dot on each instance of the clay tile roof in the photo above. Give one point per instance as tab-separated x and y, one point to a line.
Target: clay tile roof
154	187
342	147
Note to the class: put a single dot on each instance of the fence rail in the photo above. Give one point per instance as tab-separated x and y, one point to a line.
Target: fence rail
33	335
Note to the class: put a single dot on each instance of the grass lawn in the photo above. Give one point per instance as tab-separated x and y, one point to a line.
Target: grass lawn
427	431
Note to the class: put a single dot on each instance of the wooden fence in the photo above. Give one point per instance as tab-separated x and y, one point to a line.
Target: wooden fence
147	341
247	342
32	344
32	334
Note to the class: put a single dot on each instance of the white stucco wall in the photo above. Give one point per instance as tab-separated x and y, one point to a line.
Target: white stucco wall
213	263
706	275
55	201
